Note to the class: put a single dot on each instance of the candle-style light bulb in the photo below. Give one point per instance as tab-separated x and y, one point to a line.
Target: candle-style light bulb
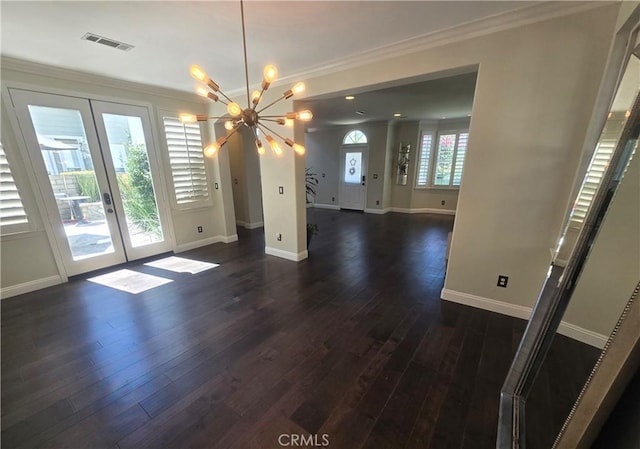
234	109
198	73
275	146
187	118
211	150
270	73
255	97
298	88
298	149
305	116
229	125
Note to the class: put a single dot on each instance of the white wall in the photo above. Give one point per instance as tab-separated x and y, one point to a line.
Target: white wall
217	219
245	173
535	91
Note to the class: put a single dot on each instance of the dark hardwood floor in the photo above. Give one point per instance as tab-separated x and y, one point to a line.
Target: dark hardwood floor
353	343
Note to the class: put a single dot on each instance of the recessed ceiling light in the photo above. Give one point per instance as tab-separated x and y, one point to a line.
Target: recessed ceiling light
397	114
443	118
360	112
349	97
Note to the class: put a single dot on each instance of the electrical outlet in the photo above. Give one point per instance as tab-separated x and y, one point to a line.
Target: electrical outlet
375	176
502	280
279	237
281	190
443	202
235	181
216	185
199	229
324	175
377	202
333	199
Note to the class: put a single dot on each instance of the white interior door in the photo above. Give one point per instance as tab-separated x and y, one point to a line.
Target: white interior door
353	178
96	178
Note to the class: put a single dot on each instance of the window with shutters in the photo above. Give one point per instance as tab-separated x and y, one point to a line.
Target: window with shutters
13	217
187	161
424	160
443	166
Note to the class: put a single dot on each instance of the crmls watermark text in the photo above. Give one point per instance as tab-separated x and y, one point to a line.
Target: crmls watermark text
294	439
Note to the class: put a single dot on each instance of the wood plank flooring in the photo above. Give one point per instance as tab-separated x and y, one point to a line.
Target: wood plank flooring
353	343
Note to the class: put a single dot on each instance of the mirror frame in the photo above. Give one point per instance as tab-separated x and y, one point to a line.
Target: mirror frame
550	306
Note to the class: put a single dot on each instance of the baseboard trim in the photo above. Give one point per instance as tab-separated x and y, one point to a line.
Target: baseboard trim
581	334
486	304
286	254
26	287
423	210
567	329
377	211
204	242
326	206
244	224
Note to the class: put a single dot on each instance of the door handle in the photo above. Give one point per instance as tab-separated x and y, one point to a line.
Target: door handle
107	199
364	178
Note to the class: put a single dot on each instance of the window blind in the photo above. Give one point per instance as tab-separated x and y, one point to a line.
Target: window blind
11	209
186	160
460	157
593	179
423	160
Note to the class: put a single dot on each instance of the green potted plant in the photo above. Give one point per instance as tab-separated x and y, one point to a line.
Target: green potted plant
311	181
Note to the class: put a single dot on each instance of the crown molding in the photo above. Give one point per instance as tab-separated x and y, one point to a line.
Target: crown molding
36	68
526	15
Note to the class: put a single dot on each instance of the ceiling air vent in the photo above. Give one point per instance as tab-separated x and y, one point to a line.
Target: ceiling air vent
106	41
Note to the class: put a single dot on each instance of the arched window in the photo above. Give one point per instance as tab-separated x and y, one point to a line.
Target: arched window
354	137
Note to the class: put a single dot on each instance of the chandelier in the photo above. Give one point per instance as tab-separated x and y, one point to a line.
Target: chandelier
251	117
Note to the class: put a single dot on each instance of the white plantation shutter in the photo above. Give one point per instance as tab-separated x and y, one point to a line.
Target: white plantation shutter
460	156
599	162
12	211
187	160
424	158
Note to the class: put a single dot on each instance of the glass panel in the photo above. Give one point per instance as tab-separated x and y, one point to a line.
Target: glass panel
64	148
446	146
353	168
128	151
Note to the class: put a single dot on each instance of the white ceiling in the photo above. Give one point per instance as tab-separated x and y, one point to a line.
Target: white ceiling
300	37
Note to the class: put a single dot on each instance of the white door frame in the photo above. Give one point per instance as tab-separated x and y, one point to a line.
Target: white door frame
21	100
364	149
103	107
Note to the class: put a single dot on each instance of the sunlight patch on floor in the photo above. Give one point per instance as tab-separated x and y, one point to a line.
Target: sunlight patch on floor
181	265
130	281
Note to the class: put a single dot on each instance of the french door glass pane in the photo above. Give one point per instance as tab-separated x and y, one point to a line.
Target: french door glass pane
64	148
353	168
446	147
128	151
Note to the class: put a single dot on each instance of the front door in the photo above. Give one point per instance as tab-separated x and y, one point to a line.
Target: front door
353	178
96	177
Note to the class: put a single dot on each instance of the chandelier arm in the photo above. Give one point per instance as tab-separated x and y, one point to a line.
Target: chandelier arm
272	131
259	98
270	104
225	96
244	47
274	120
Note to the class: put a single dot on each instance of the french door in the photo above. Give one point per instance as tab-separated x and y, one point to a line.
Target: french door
97	170
353	177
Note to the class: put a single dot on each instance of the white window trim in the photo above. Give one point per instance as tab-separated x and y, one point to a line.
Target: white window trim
432	157
196	204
